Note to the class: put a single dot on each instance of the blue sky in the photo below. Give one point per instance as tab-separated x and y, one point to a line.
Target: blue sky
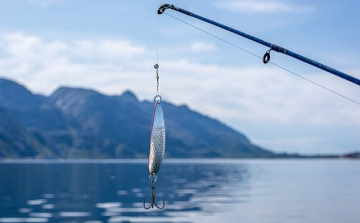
111	46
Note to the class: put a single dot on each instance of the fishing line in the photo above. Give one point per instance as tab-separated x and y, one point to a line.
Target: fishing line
157	39
281	67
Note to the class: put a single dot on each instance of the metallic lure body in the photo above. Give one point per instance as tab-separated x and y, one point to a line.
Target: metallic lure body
157	140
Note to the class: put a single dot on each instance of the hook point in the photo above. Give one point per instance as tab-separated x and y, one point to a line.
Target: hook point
153	203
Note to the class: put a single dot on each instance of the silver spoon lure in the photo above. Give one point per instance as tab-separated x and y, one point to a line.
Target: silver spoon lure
157	144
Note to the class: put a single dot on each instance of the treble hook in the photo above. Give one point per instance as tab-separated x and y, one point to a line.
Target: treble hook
153	203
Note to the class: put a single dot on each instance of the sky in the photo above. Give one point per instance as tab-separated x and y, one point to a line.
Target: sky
112	45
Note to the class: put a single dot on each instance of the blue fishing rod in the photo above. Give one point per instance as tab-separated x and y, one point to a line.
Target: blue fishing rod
266	57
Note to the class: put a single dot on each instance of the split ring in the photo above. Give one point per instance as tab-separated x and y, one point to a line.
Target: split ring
158	99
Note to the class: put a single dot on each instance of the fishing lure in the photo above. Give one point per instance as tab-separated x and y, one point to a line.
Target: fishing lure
157	143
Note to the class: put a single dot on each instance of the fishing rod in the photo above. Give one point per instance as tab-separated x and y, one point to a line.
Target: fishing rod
266	57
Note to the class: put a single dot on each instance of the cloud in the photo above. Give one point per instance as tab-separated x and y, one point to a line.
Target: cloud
261	6
299	143
259	94
201	47
32	48
44	65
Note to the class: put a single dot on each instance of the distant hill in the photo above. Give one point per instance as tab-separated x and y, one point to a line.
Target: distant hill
82	123
354	155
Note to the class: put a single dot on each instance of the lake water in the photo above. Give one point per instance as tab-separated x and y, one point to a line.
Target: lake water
246	191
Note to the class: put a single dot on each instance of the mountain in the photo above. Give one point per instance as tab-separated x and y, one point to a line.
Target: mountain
83	123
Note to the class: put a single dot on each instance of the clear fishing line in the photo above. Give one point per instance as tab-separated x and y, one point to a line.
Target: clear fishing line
251	53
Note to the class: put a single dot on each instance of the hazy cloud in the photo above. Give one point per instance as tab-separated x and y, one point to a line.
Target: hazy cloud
200	47
262	6
260	94
44	65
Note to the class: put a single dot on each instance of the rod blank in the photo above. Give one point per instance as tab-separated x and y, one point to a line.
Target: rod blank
273	47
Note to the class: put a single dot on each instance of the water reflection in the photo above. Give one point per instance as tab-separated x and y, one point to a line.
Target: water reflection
114	191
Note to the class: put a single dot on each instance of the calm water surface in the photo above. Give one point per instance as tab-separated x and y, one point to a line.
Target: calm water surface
246	191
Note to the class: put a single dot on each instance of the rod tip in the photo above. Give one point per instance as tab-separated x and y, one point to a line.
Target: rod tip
163	7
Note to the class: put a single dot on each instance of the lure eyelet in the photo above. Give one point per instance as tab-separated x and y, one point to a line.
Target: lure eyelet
158	99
